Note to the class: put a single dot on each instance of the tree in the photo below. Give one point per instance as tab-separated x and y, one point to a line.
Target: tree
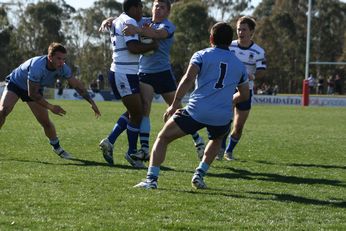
281	31
192	33
39	25
94	54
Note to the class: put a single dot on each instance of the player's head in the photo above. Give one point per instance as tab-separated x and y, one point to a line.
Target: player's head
221	34
56	55
161	9
133	8
245	27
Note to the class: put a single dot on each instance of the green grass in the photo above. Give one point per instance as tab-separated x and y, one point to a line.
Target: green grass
290	175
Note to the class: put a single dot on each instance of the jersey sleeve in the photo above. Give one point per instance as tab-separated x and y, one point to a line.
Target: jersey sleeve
169	27
261	61
66	72
244	78
197	59
131	37
35	73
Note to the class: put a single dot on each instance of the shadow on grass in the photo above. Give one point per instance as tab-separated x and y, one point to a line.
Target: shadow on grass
297	165
298	199
248	175
264	196
82	162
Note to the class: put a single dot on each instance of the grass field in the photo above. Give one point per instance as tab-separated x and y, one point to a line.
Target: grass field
290	174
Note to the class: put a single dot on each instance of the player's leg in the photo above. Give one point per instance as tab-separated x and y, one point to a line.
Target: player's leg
7	102
107	144
241	113
197	139
215	135
180	124
133	104
240	118
41	115
147	95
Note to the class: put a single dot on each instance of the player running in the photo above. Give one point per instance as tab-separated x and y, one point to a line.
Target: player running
27	83
216	73
253	56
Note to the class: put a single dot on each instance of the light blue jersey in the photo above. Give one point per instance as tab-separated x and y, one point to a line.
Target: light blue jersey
36	70
159	60
219	75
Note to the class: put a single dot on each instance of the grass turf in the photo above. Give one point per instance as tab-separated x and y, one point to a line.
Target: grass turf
289	175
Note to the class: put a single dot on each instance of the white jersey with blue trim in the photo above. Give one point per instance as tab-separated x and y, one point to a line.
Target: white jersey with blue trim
219	75
160	60
253	58
36	70
123	60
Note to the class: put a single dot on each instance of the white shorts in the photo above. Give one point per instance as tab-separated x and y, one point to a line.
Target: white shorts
126	84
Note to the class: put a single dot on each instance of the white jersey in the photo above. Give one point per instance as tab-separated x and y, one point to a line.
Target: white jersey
123	60
253	58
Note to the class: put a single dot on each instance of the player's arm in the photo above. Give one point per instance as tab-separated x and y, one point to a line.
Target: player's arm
79	87
243	93
145	31
258	75
106	24
34	94
136	47
185	84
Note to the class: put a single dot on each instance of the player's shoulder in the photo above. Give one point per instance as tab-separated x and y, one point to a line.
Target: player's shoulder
257	48
38	61
125	19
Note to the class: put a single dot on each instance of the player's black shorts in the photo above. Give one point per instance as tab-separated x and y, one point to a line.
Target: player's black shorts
162	82
191	126
22	94
246	105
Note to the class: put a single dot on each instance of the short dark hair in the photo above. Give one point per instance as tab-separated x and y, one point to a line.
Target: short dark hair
127	4
247	20
222	34
167	2
56	47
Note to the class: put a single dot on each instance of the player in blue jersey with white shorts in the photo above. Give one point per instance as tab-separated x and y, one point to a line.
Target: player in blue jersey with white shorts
253	57
27	83
155	73
216	73
125	81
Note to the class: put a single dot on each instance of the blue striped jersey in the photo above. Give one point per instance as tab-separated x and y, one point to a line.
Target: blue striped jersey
123	60
253	57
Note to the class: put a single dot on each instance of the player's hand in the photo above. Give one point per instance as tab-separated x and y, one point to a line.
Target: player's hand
96	110
129	30
169	112
106	24
56	109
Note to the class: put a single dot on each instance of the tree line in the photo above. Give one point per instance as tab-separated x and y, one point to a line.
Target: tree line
27	29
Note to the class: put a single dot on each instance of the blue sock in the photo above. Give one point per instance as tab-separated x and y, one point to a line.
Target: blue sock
118	128
144	133
153	173
195	136
232	143
132	137
202	168
55	143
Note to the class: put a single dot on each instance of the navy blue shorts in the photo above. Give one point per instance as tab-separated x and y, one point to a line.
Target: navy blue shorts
22	94
191	126
246	105
162	82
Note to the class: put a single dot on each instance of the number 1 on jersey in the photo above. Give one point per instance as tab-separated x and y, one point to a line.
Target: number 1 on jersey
223	69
